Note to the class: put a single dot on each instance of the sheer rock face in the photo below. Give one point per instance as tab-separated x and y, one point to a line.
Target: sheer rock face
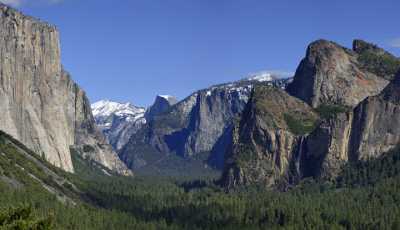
264	148
199	124
327	147
192	126
376	124
369	126
356	134
161	105
332	74
42	107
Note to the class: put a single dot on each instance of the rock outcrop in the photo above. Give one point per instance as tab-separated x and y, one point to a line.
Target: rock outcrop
358	118
337	139
267	142
368	131
42	107
332	74
326	149
376	124
161	105
190	126
199	124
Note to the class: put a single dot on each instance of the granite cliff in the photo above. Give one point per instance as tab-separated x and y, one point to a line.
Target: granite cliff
332	74
198	125
355	96
161	104
266	141
42	107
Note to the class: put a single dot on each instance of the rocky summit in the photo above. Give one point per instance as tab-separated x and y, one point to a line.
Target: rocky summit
333	74
266	142
197	126
41	106
161	104
267	130
352	115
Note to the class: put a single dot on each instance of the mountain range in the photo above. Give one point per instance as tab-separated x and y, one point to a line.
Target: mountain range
270	130
316	150
334	113
195	128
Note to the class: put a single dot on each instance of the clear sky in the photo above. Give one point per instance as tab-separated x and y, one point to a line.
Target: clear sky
132	50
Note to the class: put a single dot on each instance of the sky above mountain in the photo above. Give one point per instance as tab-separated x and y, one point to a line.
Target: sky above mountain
133	50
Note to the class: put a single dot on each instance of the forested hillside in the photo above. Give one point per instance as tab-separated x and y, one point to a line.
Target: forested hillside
316	151
364	197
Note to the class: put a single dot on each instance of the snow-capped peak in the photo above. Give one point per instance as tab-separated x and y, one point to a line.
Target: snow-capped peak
106	108
262	77
265	76
118	121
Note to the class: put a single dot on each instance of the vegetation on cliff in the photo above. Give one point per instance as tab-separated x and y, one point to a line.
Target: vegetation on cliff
376	60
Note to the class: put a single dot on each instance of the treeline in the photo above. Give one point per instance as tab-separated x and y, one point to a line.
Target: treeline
366	196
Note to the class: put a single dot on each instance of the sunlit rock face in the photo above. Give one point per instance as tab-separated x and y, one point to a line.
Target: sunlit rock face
332	74
41	106
355	96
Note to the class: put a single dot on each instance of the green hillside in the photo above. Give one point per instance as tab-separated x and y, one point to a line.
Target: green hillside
365	197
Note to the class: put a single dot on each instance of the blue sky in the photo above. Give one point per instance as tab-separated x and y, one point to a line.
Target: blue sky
132	50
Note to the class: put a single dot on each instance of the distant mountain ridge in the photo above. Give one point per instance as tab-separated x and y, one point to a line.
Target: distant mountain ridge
106	108
274	131
195	125
118	121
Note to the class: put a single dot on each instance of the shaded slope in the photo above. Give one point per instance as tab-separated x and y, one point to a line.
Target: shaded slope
198	125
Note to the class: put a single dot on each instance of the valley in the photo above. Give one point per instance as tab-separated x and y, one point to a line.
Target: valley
316	150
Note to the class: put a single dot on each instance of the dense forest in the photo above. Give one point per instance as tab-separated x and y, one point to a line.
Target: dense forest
364	197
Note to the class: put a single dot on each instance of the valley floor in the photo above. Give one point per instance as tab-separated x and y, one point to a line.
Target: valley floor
364	197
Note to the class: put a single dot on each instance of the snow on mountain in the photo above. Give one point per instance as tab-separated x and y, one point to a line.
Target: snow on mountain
105	108
243	87
262	77
201	122
118	121
265	76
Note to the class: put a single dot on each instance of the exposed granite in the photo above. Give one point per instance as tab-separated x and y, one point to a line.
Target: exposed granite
332	74
367	125
42	107
199	124
264	148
